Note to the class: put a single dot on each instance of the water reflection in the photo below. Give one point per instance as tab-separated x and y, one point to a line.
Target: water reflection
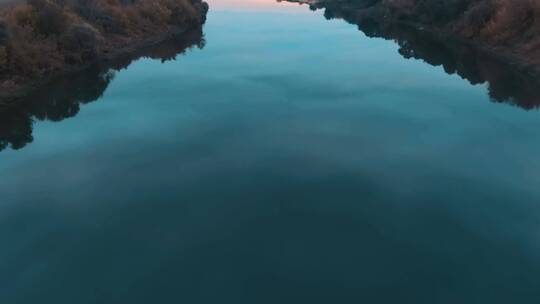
64	96
504	83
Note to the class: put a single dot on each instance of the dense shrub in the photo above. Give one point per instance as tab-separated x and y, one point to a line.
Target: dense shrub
51	19
25	16
4	34
439	12
79	44
511	26
514	19
4	37
42	37
473	21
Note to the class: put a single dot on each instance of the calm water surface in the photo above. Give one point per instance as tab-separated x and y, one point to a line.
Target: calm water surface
290	160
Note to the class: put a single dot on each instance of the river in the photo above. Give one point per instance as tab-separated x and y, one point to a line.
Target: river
278	157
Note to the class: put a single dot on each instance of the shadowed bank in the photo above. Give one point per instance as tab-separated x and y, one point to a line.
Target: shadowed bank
63	97
505	81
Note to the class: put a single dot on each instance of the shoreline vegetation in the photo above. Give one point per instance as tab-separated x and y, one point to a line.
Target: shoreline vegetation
44	39
505	28
53	102
483	41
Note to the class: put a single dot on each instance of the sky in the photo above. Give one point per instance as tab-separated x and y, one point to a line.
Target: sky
235	4
259	5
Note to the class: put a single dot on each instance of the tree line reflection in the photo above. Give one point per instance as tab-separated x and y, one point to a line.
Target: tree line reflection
63	97
504	83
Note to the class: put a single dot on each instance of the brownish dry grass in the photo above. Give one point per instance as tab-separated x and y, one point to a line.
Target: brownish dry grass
39	38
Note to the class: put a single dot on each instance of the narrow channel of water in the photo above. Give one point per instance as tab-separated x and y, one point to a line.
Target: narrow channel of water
281	158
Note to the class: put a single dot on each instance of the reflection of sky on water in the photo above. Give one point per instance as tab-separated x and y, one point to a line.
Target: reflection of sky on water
291	158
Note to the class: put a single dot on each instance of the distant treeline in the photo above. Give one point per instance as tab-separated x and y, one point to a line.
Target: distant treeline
40	38
508	27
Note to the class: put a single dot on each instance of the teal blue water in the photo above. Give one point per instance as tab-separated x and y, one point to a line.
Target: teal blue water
290	160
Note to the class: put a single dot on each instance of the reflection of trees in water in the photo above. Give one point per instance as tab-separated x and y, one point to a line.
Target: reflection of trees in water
504	83
64	96
60	100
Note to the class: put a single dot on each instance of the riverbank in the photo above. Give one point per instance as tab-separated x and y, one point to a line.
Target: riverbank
42	39
53	101
504	29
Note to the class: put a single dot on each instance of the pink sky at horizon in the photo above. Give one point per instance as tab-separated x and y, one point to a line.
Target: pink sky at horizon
255	5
